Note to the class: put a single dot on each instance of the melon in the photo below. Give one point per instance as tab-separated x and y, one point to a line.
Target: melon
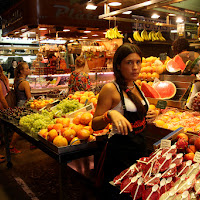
149	91
166	89
180	62
172	66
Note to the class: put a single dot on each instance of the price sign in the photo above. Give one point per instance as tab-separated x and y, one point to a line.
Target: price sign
161	104
165	144
163	56
89	107
197	157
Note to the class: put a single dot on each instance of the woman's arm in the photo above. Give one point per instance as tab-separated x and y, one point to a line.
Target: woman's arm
2	99
105	103
27	89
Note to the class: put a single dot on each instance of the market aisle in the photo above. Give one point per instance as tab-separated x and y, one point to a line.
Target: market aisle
34	176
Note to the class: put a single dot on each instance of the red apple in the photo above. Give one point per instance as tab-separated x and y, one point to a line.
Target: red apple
181	143
182	135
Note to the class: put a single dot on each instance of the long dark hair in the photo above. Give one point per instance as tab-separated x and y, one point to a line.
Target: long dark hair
2	76
122	52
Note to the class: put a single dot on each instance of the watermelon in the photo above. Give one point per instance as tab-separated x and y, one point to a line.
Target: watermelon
172	66
149	91
166	89
180	62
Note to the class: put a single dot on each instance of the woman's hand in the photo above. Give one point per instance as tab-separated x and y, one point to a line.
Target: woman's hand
122	124
151	115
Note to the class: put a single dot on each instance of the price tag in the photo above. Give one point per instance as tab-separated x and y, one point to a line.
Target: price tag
89	107
163	56
165	144
161	104
197	157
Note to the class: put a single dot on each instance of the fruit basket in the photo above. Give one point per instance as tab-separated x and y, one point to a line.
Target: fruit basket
183	85
70	148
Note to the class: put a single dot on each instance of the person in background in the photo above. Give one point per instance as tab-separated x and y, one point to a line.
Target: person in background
181	47
52	60
12	69
124	105
4	89
79	79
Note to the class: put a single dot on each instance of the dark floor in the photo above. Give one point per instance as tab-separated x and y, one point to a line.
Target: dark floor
34	176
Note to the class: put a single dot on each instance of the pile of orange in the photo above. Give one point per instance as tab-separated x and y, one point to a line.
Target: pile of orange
40	103
72	130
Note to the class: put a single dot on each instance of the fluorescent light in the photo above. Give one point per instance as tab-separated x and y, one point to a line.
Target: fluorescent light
16	32
179	20
84	37
155	16
71	41
115	4
104	33
24	29
66	30
91	6
198	24
87	31
95	35
127	12
42	29
193	18
171	14
173	31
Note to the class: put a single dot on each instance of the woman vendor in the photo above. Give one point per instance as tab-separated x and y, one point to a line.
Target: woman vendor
123	104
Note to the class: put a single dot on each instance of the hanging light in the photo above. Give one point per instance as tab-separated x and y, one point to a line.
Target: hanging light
179	20
91	6
155	16
115	4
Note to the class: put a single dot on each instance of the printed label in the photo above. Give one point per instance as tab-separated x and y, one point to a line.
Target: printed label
197	157
165	144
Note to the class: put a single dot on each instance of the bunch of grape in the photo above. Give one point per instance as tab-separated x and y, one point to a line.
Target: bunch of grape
66	106
35	122
196	102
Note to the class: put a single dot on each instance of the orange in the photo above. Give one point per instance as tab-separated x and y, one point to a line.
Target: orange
83	134
66	122
89	128
59	120
51	135
85	118
50	127
69	134
182	135
58	126
60	141
76	127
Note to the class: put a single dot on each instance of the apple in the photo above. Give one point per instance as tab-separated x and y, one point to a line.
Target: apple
192	139
181	143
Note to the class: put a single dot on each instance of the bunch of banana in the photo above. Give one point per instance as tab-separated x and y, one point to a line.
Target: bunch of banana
159	35
153	36
137	37
144	35
113	33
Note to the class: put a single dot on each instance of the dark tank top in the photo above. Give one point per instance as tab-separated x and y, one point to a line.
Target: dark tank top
20	94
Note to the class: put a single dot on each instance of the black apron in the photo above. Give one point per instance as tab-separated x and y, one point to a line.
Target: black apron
123	150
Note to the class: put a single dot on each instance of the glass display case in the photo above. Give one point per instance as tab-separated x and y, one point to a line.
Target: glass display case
43	84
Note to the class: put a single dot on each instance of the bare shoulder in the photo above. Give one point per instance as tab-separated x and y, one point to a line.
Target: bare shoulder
108	88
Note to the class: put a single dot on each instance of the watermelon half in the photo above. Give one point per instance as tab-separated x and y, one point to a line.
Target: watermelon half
180	62
166	89
149	91
172	66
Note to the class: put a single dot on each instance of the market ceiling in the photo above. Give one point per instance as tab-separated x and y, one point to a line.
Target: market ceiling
185	8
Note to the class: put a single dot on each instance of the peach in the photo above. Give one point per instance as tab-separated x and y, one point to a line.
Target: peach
51	135
60	141
69	134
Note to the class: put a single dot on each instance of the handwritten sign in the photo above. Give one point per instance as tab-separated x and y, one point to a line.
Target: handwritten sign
161	104
165	144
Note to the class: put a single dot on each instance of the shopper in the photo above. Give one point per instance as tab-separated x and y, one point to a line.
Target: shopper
12	69
123	104
21	85
79	79
181	47
23	93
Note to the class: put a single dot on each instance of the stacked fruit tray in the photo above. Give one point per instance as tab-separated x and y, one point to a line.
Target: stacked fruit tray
168	173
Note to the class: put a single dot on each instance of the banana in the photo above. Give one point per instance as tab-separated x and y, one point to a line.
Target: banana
137	37
113	33
159	35
117	33
150	35
144	35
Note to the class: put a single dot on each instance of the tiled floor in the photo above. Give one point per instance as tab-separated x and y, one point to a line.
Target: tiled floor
34	176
